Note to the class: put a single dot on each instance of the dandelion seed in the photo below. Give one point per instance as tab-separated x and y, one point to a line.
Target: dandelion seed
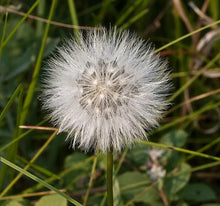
106	90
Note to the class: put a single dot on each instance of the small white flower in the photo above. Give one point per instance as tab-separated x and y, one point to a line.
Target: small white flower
156	172
155	154
105	90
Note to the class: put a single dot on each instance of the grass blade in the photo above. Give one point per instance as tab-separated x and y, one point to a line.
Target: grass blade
11	100
73	17
33	177
19	24
31	88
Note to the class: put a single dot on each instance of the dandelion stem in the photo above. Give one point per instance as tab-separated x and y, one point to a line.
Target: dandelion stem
109	177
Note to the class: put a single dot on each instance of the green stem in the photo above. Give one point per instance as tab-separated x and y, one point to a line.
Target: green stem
31	89
190	81
90	181
180	150
18	25
37	179
116	172
11	151
187	35
29	164
39	24
74	18
109	177
3	34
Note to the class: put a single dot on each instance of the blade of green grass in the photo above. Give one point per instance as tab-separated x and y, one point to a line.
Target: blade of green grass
3	33
11	100
21	136
196	98
12	151
19	24
180	150
215	141
205	166
31	88
191	116
135	18
92	175
190	81
10	154
29	164
105	6
187	35
128	11
38	168
74	18
89	10
145	190
181	58
214	9
33	177
40	12
62	174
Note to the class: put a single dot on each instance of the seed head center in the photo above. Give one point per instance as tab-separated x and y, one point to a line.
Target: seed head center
104	89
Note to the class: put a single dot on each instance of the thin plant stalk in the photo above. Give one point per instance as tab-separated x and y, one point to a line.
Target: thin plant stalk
214	142
20	136
116	172
3	33
29	164
11	101
35	178
74	18
18	25
191	117
180	150
109	177
187	35
11	151
31	89
60	175
39	24
190	81
90	181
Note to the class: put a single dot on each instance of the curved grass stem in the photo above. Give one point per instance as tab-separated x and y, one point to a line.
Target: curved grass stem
90	181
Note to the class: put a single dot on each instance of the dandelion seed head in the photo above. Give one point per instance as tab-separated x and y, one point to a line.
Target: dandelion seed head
106	90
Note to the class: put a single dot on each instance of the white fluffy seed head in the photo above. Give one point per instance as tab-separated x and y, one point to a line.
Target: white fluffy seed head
106	90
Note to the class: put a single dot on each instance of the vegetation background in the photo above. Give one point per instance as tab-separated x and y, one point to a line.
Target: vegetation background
36	162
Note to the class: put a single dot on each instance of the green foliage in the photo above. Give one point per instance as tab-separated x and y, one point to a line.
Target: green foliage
187	139
133	183
78	177
197	192
51	200
17	202
176	181
175	138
